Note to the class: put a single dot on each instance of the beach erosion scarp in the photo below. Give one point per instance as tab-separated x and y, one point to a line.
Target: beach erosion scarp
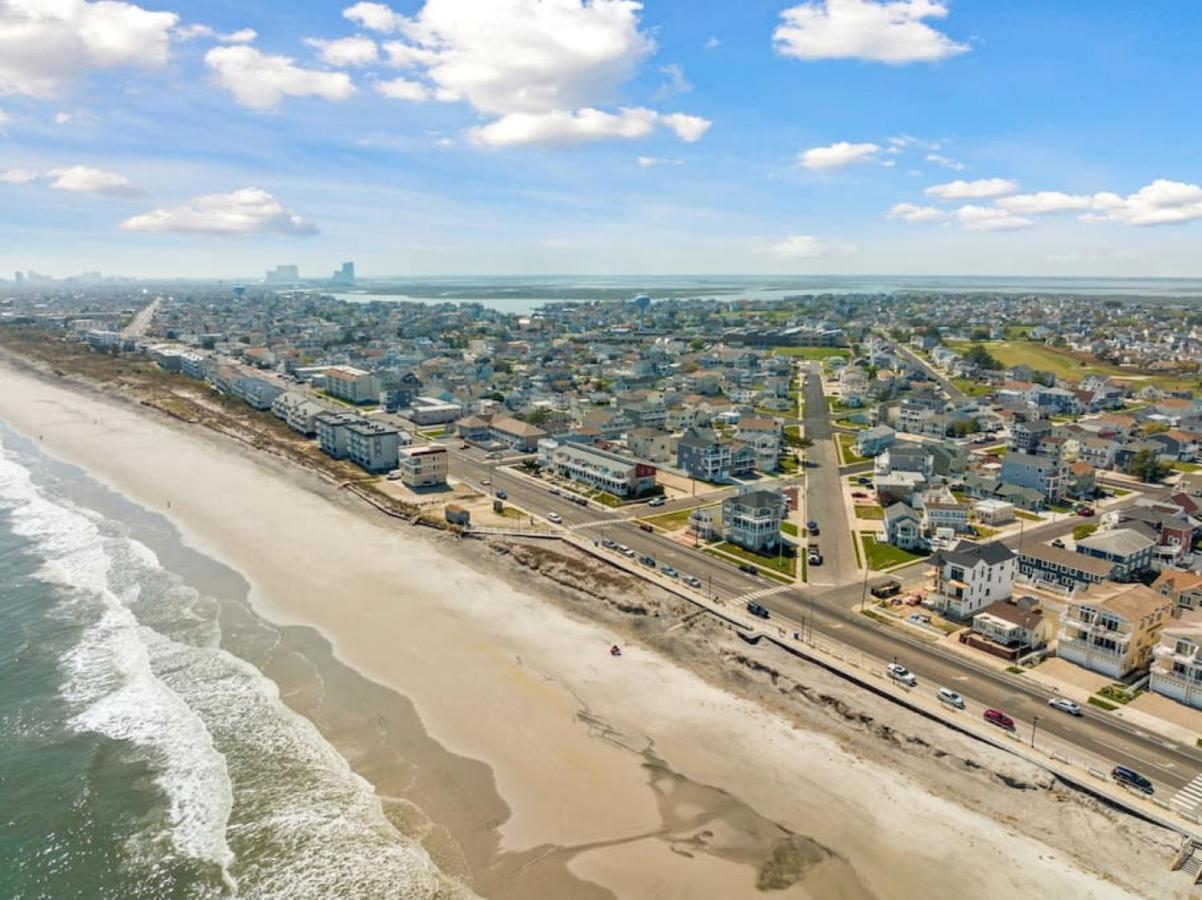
633	775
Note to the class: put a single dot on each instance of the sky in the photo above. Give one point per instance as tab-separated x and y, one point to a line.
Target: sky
475	137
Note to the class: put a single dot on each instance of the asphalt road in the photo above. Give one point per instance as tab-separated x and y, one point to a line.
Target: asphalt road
954	393
824	490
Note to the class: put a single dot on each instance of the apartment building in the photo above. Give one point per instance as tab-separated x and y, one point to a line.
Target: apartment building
1113	635
1046	474
332	435
1176	669
604	470
701	454
972	576
1045	565
299	411
1128	549
351	384
423	465
373	445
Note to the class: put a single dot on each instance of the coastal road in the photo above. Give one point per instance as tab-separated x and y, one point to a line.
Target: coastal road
141	322
825	504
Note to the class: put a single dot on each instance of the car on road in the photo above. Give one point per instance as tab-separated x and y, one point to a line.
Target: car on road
1059	542
886	589
1085	511
1132	778
555	491
648	561
657	501
486	481
555	518
756	609
812	527
502	495
813	558
999	718
609	544
670	572
646	526
951	698
749	569
626	551
463	446
1065	705
898	672
692	581
580	501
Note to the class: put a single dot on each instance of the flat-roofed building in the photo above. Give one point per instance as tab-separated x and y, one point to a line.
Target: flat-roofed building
423	465
372	445
332	434
299	411
1113	632
432	411
351	384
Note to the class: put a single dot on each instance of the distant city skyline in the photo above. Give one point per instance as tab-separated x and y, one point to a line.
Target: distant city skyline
425	138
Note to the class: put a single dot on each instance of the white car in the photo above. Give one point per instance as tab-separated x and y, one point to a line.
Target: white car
951	698
1065	706
658	501
900	673
555	518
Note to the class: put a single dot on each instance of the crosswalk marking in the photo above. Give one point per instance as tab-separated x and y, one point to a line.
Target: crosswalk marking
1189	798
764	592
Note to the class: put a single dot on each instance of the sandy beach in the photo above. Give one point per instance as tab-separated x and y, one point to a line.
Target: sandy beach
539	765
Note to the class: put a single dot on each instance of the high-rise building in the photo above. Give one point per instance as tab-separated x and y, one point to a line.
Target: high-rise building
345	274
286	274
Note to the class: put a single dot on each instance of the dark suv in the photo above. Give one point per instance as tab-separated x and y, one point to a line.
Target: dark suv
756	610
1131	778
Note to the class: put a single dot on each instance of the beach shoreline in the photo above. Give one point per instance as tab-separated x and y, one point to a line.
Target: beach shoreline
596	764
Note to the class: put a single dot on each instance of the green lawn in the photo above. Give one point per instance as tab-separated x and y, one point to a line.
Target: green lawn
1067	365
972	388
1030	517
984	532
1081	532
781	568
855	545
789	528
847	447
813	353
671	521
1187	467
868	511
885	556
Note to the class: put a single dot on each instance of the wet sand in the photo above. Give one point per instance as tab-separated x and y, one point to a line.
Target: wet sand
498	725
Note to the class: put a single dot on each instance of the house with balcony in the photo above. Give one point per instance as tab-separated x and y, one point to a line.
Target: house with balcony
1129	549
1176	669
1184	588
701	454
298	410
1046	474
423	465
351	384
1113	634
764	437
903	528
751	520
604	470
938	514
1056	567
1014	626
875	441
971	576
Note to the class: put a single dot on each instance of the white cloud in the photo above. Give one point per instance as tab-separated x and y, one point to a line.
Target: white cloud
18	176
87	180
62	118
888	31
1045	202
404	89
192	32
838	155
542	70
241	36
946	161
46	43
806	246
910	212
260	80
1162	202
243	212
561	128
989	218
375	17
675	82
972	190
5	118
711	43
648	161
349	51
688	128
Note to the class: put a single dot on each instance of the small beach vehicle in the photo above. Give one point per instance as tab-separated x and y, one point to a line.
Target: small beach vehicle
615	650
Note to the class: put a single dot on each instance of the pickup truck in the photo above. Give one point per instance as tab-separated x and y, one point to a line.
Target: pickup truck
886	589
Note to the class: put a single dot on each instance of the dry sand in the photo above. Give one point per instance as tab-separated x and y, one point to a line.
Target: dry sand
636	773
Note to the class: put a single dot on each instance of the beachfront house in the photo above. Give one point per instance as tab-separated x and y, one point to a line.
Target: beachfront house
423	465
971	576
1113	634
1176	669
752	520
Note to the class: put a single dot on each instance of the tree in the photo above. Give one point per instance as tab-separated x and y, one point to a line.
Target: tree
981	358
538	416
1156	428
1147	467
979	334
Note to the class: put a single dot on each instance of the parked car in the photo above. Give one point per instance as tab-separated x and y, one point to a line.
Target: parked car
644	526
812	527
859	495
657	501
609	544
692	581
1130	777
555	491
554	518
648	561
756	610
898	672
951	698
486	481
1059	542
502	495
749	569
885	589
580	501
864	481
669	571
814	559
626	551
1085	511
1065	705
999	718
919	618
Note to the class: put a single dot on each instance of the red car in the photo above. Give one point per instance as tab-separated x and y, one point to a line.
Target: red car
1085	511
999	718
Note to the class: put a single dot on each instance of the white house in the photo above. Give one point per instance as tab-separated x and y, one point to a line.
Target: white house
972	576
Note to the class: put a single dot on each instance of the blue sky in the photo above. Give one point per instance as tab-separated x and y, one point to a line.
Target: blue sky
564	136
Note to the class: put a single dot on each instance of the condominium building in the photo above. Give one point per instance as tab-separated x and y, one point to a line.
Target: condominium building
372	445
332	434
702	454
423	465
1176	669
1046	474
351	384
1113	634
299	411
603	470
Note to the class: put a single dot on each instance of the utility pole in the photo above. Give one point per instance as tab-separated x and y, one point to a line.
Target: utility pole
1034	728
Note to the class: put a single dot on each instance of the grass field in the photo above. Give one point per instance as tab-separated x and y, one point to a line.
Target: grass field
1064	364
869	512
672	521
1081	532
847	449
813	353
885	556
789	528
781	567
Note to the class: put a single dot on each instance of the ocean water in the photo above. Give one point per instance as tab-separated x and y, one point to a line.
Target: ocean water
140	755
